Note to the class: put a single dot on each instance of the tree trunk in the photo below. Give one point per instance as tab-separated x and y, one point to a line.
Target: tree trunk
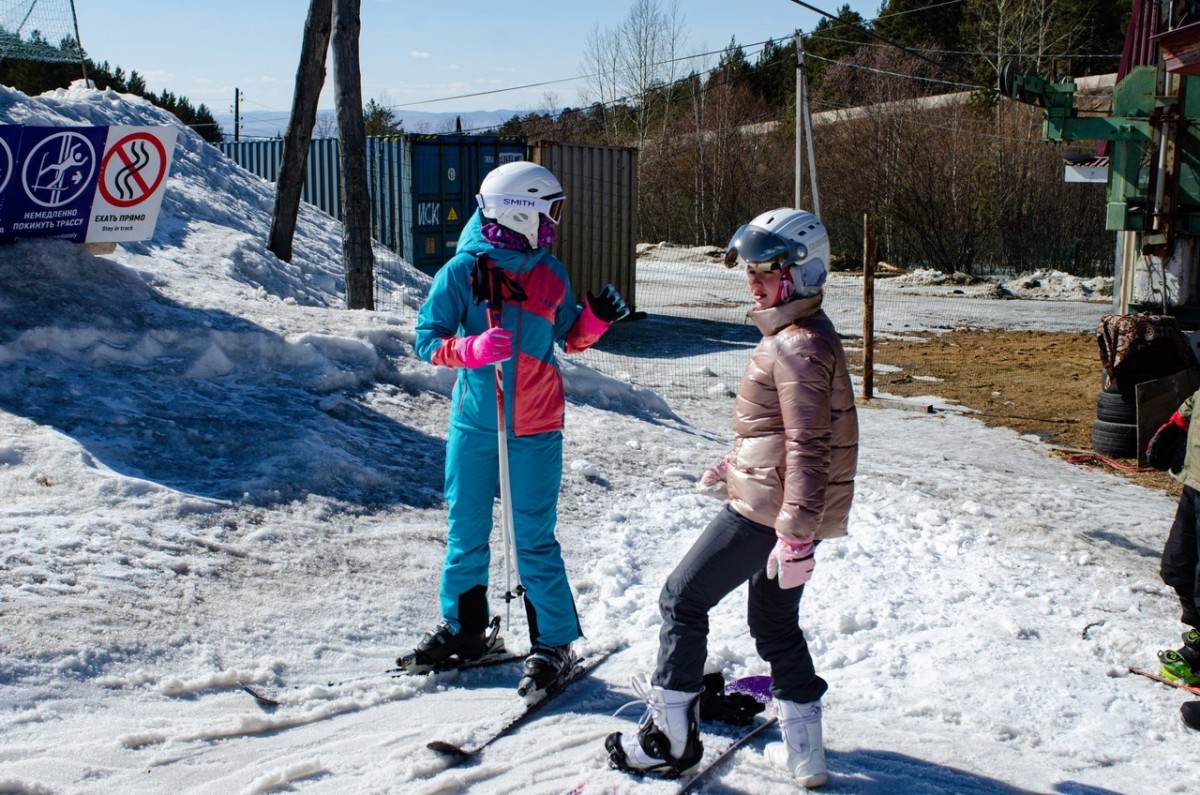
310	76
357	258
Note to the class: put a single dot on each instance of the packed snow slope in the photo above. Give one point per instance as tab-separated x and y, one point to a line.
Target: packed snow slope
211	473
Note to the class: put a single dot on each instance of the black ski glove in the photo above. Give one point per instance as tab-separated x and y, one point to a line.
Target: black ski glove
608	306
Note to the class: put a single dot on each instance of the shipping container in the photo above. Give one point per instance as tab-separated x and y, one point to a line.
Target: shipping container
598	236
446	172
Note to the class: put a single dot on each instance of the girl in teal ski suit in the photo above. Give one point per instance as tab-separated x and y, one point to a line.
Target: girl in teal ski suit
534	406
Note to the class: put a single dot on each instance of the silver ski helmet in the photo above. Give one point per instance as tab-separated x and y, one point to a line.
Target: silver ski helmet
516	194
784	238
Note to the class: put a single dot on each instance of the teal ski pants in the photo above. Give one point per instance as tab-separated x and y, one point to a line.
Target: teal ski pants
472	480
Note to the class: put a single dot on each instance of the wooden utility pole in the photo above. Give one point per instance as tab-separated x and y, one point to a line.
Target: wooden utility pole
799	183
310	76
357	258
868	355
237	114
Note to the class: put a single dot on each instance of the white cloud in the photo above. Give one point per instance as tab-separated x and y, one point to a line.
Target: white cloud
418	54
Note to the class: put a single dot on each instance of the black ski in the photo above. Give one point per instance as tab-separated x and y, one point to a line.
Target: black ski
267	699
457	754
701	773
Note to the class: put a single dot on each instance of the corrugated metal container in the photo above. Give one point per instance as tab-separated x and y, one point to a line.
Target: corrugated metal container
598	237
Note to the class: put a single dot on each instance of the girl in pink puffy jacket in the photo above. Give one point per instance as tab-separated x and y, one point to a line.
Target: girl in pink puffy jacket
790	481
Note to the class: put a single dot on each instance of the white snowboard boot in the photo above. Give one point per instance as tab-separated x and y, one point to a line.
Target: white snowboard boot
668	739
802	753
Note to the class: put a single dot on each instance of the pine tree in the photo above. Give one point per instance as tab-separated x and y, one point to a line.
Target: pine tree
732	67
774	75
921	23
833	40
379	119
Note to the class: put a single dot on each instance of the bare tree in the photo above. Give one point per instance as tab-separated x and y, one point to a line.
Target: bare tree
633	67
1038	29
600	63
310	76
326	126
357	257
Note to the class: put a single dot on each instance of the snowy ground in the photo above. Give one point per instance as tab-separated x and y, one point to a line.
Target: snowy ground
210	473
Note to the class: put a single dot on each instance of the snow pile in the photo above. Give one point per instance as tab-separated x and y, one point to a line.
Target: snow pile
1045	284
671	252
925	277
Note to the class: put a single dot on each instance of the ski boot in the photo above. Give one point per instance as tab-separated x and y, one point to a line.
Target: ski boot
802	752
444	648
546	668
667	743
1182	665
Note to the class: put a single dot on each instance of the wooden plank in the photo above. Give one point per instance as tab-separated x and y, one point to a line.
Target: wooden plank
1181	49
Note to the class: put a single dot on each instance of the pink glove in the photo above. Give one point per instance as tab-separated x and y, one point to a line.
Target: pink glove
493	345
792	562
715	474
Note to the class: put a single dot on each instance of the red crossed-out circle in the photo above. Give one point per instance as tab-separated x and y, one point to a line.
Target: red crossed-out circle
119	150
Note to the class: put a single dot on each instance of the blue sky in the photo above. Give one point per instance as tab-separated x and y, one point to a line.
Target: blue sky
411	52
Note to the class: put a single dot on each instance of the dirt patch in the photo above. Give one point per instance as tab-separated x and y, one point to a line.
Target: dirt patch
1041	383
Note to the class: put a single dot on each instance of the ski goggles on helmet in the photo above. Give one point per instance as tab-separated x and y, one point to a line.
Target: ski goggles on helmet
551	206
761	250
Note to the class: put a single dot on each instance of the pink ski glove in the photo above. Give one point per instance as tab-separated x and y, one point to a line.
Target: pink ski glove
493	345
792	562
715	474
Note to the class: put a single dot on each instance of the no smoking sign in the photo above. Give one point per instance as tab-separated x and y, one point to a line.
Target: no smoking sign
132	169
131	183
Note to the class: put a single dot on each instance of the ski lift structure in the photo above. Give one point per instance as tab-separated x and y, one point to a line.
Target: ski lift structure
1152	140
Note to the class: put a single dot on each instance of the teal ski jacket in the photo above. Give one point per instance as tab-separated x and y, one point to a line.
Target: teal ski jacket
533	388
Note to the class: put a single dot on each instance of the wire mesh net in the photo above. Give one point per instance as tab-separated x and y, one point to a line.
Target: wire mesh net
39	30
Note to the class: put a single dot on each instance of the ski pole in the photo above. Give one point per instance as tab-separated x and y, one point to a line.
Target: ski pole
506	512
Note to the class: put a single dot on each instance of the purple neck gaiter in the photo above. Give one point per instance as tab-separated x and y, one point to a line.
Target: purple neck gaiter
505	238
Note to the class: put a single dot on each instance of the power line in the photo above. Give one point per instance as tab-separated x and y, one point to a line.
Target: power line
580	77
892	74
1052	56
901	47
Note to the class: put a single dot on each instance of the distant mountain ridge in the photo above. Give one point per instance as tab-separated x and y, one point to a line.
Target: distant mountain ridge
258	124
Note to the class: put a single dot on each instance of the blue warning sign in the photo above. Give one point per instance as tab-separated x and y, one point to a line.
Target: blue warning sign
51	181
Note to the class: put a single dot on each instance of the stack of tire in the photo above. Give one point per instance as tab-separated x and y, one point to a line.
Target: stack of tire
1134	348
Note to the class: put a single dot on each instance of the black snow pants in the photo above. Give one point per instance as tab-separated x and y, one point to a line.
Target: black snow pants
1181	556
733	550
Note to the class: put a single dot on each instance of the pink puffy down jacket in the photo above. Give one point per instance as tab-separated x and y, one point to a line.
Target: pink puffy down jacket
795	446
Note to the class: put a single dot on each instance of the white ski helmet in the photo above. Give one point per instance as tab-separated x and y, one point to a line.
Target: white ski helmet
784	238
515	194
